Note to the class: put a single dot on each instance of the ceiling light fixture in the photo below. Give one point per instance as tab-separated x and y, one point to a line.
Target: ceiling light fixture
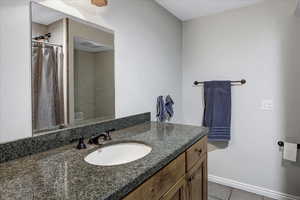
99	3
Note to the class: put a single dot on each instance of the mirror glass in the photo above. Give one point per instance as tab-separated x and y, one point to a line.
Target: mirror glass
93	78
72	71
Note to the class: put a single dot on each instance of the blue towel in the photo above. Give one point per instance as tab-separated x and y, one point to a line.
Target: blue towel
169	107
160	109
217	111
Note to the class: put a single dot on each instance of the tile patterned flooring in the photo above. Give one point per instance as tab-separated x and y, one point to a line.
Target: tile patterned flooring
221	192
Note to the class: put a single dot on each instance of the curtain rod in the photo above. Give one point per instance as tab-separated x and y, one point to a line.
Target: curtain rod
47	43
242	82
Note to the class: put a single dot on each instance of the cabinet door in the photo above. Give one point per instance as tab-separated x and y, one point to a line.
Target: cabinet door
177	192
161	182
197	181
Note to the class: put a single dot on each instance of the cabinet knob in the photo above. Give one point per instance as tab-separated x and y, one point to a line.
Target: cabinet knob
199	151
191	178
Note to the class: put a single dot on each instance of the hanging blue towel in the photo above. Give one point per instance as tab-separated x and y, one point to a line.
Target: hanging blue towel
160	109
217	111
169	107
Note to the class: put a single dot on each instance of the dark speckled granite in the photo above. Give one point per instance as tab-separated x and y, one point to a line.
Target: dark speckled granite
51	140
62	173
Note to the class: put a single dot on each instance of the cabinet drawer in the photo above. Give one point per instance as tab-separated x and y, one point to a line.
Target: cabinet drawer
161	182
196	152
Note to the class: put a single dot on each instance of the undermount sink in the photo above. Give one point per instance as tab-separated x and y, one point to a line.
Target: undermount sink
116	154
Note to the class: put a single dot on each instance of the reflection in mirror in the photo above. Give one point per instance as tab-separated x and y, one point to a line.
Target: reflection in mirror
93	68
72	71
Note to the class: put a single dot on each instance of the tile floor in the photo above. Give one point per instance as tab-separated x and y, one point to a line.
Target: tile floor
220	192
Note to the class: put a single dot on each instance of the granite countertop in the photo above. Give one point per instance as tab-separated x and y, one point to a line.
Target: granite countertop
62	173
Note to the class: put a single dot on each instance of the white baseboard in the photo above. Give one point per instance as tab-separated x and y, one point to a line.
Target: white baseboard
251	188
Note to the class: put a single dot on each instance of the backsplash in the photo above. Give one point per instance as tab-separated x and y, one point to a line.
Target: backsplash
28	146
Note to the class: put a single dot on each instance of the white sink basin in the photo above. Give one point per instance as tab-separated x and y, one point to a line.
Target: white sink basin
117	154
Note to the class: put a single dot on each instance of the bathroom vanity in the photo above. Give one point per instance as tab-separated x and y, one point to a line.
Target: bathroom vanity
176	167
184	178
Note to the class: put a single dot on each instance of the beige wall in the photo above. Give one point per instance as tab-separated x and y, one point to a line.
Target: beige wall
94	93
38	29
105	84
58	32
84	83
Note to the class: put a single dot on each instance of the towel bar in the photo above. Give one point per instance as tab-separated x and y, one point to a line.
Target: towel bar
242	82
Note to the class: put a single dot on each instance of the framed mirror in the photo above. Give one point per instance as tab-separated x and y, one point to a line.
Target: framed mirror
72	71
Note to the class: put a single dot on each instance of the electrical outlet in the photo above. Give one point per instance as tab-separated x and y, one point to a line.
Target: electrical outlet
267	104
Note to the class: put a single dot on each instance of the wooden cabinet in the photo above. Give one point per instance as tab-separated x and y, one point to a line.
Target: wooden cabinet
185	178
177	192
196	153
197	181
161	182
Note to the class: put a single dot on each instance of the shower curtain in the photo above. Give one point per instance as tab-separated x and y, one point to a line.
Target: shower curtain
47	87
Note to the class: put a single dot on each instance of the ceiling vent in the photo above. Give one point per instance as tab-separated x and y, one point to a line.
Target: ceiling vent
90	44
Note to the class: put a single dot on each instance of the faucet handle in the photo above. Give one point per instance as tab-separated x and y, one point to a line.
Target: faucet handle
81	144
108	133
91	140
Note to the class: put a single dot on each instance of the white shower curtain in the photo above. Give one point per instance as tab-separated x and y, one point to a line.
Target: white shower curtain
47	87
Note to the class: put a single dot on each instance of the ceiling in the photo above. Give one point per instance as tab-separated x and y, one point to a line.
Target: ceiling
190	9
43	15
183	9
